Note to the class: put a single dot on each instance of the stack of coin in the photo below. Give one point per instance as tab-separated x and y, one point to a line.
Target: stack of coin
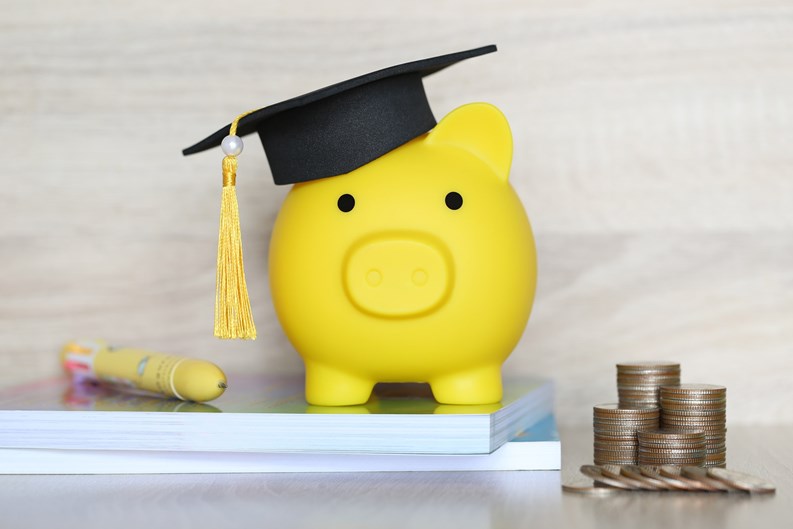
638	382
671	447
698	407
615	432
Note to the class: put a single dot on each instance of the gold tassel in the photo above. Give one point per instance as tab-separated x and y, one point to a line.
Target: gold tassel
233	317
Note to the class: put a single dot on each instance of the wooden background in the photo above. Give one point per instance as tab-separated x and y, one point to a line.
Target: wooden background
654	154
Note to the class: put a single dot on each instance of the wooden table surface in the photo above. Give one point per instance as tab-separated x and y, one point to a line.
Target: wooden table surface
410	499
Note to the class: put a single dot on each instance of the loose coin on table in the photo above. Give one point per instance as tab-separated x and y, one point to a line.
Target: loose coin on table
615	472
652	472
594	472
588	488
742	481
701	474
675	472
634	472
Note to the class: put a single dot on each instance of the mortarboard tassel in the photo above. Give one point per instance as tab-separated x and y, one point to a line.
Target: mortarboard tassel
233	317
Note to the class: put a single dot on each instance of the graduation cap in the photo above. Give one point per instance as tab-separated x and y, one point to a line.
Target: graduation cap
327	132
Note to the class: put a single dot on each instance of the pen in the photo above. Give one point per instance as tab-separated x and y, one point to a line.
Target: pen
168	375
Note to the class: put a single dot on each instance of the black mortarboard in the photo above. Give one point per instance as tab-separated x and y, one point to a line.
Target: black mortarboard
341	127
328	132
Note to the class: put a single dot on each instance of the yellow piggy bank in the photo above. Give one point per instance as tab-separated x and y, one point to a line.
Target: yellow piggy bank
416	267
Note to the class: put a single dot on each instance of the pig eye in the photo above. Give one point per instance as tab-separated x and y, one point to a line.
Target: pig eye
346	203
454	200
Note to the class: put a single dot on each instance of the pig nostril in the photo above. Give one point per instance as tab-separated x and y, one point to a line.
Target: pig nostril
420	277
374	277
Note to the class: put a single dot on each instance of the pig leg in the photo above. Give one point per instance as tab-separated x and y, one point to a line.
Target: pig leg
475	386
326	386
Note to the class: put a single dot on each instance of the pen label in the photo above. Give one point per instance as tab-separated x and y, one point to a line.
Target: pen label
78	357
163	366
142	365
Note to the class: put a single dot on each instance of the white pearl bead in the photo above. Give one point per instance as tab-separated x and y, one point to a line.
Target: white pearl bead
231	145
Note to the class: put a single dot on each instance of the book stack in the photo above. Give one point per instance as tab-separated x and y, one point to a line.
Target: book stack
263	424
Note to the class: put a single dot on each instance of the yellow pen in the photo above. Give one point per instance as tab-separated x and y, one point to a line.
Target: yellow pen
168	375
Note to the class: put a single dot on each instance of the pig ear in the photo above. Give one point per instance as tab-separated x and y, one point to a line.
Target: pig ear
482	130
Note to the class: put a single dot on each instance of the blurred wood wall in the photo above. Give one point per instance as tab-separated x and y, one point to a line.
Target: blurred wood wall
654	154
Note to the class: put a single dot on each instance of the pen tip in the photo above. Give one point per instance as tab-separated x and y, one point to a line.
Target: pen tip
222	385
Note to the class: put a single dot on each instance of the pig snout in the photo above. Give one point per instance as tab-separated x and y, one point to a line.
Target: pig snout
394	275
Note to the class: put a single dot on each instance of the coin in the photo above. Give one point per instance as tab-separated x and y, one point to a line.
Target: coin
616	438
671	459
615	454
676	473
742	481
648	365
694	389
693	426
693	404
581	487
615	472
664	434
627	449
592	471
615	409
617	426
635	415
715	462
652	472
696	414
634	472
703	400
701	474
672	450
616	458
672	444
672	454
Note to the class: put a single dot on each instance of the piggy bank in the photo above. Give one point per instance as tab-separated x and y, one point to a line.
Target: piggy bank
416	267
